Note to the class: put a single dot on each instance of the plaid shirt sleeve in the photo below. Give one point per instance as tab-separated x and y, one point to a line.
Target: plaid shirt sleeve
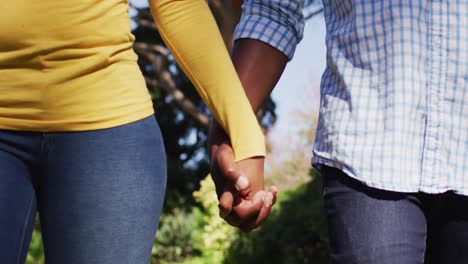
279	23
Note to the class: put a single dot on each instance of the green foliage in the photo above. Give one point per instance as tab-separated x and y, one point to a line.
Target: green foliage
198	236
217	235
36	251
178	237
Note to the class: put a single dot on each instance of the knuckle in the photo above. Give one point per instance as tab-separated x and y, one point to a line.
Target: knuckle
230	170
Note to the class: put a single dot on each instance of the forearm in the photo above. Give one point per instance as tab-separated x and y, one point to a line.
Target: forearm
266	38
259	67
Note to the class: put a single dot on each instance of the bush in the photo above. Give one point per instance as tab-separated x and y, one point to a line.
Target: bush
178	237
195	236
36	251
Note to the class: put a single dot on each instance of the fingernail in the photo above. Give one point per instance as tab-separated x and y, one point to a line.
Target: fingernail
268	201
242	183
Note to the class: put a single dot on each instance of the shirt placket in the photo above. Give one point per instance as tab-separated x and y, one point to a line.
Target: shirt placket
431	175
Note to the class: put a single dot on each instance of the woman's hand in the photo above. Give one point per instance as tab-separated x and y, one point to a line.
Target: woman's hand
243	202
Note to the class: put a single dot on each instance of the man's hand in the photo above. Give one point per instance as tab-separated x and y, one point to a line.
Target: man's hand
243	202
240	185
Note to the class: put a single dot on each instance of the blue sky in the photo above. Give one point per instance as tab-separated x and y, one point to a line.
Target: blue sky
298	88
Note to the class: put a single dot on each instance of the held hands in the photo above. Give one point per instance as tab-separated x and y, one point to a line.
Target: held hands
243	202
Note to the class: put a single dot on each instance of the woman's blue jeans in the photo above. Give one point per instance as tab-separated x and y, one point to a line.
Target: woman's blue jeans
99	193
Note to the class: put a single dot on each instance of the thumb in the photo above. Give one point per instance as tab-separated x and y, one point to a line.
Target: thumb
228	168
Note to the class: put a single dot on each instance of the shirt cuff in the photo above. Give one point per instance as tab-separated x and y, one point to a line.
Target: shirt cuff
268	31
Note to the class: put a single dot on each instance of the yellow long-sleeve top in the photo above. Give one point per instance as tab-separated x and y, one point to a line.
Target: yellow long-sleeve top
69	66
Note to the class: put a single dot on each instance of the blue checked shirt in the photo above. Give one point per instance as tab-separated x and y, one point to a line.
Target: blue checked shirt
394	94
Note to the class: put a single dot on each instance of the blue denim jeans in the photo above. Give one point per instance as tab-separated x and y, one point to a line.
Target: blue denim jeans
99	193
367	225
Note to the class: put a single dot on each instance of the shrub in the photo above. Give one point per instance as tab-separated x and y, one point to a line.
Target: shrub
178	237
217	236
36	251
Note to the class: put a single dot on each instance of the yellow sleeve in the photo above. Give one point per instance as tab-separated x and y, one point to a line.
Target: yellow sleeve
190	32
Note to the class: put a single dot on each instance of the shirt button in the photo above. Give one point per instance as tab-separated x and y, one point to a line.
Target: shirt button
436	41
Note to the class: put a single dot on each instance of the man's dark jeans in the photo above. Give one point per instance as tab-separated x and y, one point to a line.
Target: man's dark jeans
367	225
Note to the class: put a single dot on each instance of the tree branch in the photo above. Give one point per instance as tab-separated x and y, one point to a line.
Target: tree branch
165	82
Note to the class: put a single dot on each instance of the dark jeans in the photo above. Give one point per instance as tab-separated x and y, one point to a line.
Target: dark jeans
99	193
367	225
